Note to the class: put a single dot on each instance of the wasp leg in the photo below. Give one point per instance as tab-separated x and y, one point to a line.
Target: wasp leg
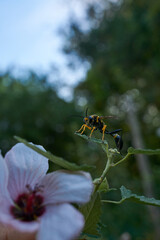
103	131
84	126
94	128
80	128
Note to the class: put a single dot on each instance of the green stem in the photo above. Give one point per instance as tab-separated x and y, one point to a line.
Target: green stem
108	166
122	160
115	202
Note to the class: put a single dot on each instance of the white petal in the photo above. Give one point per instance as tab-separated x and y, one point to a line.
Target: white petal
10	221
25	167
5	200
60	222
3	178
5	214
65	186
27	227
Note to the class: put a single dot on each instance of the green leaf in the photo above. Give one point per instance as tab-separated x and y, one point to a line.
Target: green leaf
112	151
89	237
92	139
132	150
128	195
57	160
92	212
104	186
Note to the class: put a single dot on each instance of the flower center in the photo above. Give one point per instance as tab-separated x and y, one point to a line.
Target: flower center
28	205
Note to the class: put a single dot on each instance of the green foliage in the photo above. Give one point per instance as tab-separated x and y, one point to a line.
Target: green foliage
123	51
122	47
104	187
57	160
128	195
95	140
89	237
31	108
92	212
132	150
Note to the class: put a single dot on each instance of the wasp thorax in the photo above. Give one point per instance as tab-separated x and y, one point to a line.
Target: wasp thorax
28	205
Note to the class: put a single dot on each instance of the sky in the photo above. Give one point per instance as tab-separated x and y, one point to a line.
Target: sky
30	36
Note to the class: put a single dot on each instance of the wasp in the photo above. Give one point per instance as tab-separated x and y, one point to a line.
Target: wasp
94	122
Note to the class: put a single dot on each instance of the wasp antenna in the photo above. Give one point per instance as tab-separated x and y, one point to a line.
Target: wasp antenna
86	111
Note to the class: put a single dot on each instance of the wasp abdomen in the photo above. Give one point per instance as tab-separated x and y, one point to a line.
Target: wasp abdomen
118	141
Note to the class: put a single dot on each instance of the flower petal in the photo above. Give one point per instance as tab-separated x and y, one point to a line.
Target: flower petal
5	200
26	227
65	186
8	219
25	167
60	222
3	179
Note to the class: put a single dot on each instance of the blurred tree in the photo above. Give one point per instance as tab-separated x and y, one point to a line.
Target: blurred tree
30	108
122	47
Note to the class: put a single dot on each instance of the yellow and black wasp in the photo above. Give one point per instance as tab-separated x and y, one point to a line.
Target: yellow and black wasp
94	122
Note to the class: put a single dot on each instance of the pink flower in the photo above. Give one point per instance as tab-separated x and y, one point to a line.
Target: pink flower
37	204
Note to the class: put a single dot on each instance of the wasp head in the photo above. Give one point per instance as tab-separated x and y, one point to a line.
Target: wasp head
85	120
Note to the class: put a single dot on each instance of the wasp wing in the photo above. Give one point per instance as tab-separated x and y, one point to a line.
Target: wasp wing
105	117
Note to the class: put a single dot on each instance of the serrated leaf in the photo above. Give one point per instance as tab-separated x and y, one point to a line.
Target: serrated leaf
128	195
57	160
92	213
132	150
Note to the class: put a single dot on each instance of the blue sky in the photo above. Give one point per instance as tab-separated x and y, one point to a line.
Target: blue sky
29	35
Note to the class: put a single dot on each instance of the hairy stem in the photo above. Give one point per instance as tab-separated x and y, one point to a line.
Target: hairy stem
122	160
